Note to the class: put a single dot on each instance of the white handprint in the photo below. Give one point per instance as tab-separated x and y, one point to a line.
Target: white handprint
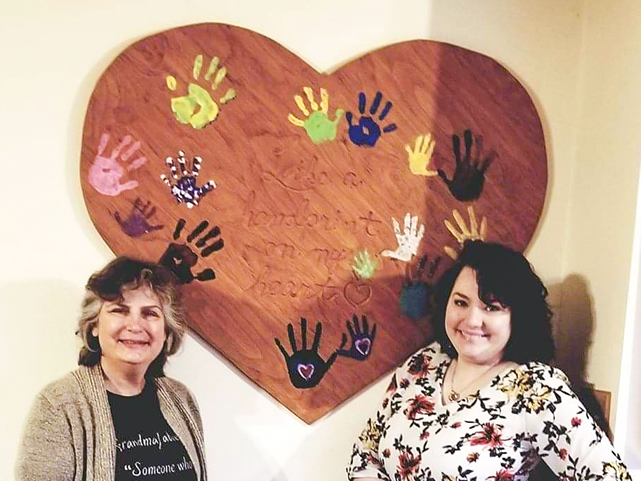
408	241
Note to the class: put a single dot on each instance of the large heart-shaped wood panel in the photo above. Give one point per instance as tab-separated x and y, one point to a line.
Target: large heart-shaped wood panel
299	173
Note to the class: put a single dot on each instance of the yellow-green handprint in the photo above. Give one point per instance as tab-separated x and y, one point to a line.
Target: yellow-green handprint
318	126
198	108
419	158
364	266
465	234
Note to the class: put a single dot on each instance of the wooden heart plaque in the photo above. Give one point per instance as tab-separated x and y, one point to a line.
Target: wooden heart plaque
296	206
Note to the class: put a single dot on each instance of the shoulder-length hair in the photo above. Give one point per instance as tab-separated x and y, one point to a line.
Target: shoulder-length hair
108	285
505	276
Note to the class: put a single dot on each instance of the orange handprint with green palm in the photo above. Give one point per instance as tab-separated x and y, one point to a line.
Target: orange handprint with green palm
197	108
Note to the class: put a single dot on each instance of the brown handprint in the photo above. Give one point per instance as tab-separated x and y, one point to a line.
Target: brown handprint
105	172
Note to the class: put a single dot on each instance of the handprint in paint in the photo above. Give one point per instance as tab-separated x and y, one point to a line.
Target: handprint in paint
105	172
318	125
180	258
469	174
465	233
419	158
197	108
362	339
408	240
305	366
184	188
367	131
416	292
364	266
137	223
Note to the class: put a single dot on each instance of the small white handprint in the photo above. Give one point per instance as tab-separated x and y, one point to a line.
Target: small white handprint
408	241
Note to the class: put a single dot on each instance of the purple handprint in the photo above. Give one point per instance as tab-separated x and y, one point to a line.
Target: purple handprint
137	223
105	172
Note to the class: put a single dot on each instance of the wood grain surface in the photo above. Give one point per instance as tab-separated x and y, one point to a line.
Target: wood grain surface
293	212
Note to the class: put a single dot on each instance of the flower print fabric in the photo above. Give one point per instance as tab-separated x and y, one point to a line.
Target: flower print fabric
523	416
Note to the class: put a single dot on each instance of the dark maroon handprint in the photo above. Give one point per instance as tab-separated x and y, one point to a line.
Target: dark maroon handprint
469	174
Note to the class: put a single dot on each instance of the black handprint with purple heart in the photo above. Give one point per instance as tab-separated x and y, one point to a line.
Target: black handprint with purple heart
361	337
305	366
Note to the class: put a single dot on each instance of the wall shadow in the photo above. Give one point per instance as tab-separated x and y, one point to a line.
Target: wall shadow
574	338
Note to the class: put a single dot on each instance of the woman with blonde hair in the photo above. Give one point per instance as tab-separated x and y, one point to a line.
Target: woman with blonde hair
118	417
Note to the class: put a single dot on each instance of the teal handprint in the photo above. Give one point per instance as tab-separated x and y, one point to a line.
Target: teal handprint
318	126
198	108
364	266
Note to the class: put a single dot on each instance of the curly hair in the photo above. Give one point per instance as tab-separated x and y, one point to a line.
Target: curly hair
108	285
505	276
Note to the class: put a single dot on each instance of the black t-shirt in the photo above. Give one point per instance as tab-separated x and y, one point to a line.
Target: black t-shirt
147	449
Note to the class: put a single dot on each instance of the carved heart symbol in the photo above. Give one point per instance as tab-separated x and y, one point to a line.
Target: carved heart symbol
363	346
306	371
357	292
309	168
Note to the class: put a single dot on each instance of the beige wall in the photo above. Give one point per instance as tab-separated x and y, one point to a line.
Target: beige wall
603	194
51	57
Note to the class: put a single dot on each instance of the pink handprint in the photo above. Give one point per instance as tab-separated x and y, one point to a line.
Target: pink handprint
105	172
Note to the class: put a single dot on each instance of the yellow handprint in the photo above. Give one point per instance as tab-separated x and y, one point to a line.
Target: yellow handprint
420	157
318	126
465	234
198	108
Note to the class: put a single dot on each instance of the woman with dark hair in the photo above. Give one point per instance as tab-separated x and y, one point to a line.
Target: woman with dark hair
118	417
480	402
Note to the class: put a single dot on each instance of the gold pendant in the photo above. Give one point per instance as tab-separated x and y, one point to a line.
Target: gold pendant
454	396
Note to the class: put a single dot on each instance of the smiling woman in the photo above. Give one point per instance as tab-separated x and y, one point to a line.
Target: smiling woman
480	402
118	415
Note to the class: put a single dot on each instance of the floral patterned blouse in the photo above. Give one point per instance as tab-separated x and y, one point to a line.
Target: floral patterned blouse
524	415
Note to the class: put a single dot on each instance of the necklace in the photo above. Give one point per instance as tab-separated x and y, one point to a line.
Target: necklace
456	395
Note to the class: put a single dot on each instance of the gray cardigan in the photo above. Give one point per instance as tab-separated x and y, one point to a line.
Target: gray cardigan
69	434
